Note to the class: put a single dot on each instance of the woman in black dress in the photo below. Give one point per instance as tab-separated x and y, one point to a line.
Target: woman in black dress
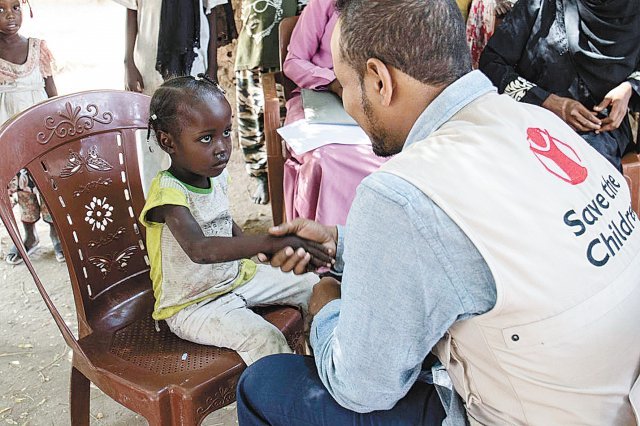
578	58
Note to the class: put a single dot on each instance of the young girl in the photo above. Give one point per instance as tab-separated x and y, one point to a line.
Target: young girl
203	282
25	80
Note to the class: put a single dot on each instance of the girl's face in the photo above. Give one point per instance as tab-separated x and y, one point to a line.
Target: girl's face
203	148
10	16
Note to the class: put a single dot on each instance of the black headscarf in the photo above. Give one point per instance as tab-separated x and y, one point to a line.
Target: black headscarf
604	39
178	36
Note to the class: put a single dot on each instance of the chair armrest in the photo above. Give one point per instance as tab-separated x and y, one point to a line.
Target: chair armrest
274	147
631	172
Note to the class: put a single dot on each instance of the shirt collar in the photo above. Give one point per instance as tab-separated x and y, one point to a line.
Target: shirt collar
453	98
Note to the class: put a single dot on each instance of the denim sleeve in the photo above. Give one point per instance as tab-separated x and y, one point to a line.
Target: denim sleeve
409	274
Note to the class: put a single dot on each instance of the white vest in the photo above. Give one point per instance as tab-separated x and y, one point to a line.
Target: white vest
553	221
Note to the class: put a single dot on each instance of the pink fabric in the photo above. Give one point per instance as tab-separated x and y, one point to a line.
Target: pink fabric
320	184
309	64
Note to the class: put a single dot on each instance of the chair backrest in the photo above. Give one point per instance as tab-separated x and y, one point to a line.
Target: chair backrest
81	150
284	33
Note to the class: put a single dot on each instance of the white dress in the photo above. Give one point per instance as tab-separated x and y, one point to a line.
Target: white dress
22	85
146	47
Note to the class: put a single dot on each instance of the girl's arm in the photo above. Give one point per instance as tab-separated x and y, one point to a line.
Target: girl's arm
50	87
202	249
133	79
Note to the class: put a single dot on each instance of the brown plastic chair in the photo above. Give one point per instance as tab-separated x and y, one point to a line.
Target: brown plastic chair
276	151
631	170
81	150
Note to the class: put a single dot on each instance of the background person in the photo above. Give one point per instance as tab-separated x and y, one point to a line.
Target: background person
167	38
26	78
320	184
579	59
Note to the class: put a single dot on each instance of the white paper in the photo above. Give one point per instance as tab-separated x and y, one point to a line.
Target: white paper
303	136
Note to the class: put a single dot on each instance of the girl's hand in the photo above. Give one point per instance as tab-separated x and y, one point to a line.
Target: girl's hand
132	79
573	113
617	100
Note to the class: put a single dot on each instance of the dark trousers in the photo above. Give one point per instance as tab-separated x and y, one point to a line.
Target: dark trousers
285	390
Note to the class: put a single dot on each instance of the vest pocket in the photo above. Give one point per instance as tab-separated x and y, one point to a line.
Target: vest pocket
634	397
470	396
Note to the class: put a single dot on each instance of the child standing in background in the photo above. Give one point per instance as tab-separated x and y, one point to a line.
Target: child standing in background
257	53
167	38
203	281
25	80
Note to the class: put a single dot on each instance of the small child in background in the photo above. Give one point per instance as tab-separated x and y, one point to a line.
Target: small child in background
25	80
203	281
257	53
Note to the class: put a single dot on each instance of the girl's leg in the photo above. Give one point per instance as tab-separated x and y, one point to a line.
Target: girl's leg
29	214
228	323
271	286
57	246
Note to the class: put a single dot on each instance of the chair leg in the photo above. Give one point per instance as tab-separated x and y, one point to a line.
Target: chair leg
79	398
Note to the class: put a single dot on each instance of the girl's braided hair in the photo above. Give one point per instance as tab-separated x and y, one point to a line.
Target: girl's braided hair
167	99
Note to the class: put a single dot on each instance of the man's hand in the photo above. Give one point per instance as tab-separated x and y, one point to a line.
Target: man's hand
319	253
325	291
133	79
573	113
289	259
617	100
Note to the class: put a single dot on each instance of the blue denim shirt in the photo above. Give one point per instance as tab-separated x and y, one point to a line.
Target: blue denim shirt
408	273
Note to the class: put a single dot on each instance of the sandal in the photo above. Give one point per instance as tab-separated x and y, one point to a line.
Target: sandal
14	258
57	246
59	254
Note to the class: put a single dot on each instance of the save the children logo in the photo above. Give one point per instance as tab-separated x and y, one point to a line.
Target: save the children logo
558	157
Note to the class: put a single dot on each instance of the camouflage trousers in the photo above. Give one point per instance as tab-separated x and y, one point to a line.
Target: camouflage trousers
250	109
29	200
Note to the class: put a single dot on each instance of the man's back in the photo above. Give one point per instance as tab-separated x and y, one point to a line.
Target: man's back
553	221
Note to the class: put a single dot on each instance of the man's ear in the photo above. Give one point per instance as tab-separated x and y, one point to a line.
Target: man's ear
165	141
378	75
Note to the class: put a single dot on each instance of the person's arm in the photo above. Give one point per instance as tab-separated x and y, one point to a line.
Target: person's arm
404	284
46	69
212	48
617	101
502	54
203	249
50	87
133	79
305	41
634	80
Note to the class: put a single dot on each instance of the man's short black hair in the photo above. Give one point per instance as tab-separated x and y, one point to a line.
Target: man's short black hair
424	39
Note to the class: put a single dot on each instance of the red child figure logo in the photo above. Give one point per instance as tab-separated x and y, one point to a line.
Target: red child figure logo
557	157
